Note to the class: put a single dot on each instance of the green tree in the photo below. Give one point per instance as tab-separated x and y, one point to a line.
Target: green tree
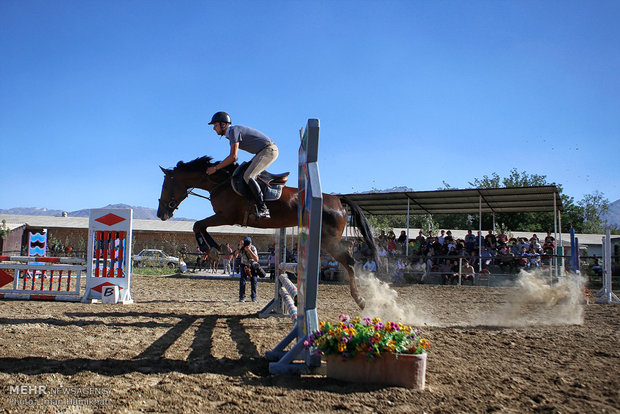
594	206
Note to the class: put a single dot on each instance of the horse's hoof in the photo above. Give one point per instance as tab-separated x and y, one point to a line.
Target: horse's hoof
362	303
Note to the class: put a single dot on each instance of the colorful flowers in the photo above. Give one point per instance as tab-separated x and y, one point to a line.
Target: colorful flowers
370	337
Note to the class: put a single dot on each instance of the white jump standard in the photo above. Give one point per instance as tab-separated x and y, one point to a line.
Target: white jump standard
107	266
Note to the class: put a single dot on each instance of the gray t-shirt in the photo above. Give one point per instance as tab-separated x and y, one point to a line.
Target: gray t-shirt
249	139
246	258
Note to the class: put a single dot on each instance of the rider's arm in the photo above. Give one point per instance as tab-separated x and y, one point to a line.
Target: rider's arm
231	159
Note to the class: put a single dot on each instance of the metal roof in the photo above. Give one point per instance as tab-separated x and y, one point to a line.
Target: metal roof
171	226
493	200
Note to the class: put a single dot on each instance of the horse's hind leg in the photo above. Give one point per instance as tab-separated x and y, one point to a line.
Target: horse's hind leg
340	252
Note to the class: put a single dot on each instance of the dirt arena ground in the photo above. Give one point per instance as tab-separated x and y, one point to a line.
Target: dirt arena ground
187	345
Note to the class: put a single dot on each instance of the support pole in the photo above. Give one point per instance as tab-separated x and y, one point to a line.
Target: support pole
480	234
407	242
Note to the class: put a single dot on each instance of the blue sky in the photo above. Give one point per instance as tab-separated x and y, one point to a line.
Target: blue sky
94	95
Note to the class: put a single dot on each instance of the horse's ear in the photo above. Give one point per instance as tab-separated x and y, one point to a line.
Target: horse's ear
165	170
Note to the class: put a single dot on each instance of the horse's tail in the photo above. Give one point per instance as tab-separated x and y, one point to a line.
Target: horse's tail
359	220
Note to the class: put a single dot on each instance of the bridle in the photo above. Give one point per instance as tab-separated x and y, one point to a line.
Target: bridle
173	204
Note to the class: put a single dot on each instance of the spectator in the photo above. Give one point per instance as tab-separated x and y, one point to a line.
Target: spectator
524	257
370	265
441	237
399	272
470	242
486	257
549	242
391	247
332	269
448	239
402	241
534	258
227	258
383	238
249	255
505	257
421	239
467	272
490	241
502	238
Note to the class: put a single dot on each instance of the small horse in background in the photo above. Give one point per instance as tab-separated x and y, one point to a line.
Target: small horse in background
213	259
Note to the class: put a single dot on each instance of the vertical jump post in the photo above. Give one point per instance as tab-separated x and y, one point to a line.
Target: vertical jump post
310	214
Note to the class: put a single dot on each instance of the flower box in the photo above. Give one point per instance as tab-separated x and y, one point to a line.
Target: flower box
403	370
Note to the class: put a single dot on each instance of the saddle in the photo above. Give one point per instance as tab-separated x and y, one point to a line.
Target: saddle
270	184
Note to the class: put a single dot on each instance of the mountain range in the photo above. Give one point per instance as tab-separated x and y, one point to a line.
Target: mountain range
141	213
146	213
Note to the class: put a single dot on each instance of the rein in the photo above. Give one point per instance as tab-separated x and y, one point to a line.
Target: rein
218	185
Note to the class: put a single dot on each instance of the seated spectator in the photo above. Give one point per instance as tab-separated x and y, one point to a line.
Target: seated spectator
505	257
534	258
523	258
502	238
467	272
478	241
490	241
486	257
442	236
391	236
402	239
370	265
421	239
383	237
391	247
399	272
452	250
470	242
448	239
549	244
332	269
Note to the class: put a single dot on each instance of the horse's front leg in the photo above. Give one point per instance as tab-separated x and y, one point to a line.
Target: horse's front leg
204	239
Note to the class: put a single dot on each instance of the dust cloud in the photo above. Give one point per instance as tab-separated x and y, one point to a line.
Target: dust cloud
532	300
535	300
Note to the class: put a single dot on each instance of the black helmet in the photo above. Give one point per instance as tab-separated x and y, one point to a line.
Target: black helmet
220	117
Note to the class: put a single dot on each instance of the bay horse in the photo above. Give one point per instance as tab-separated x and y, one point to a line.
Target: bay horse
230	208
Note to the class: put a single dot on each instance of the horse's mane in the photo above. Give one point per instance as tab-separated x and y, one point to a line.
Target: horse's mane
199	165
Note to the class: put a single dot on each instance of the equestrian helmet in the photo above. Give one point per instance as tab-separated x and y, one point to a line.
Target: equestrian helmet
220	117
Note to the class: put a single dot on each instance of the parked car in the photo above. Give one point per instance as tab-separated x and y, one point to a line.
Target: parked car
152	257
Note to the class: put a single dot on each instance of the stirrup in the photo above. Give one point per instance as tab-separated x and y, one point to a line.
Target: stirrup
262	212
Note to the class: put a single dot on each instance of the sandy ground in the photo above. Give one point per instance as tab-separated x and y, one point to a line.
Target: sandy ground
187	345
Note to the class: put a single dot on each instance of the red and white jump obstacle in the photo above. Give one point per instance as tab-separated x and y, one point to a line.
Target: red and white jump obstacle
283	301
107	266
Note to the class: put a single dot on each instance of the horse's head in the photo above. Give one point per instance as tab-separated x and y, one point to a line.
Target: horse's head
173	191
179	181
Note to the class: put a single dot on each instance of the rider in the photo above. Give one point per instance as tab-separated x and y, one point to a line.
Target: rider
252	141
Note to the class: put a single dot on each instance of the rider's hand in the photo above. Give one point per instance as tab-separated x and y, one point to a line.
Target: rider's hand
211	170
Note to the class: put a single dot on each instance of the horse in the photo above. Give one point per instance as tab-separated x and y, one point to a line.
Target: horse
231	208
213	259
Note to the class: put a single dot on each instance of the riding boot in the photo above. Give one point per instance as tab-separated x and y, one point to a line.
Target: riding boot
261	208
